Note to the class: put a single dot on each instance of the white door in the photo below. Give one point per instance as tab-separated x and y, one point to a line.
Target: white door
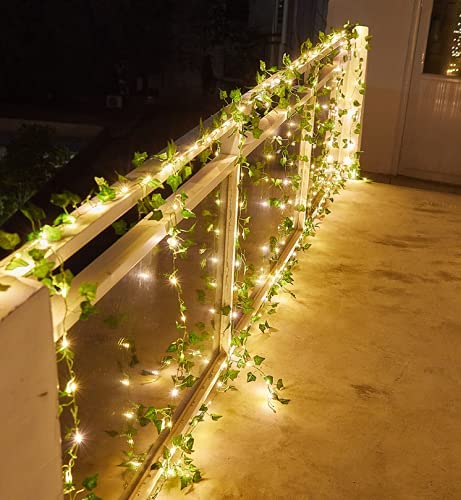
431	146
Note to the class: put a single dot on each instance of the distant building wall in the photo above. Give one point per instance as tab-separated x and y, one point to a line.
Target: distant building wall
390	24
286	24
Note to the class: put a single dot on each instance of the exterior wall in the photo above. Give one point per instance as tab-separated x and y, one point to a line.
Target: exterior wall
29	434
390	24
298	20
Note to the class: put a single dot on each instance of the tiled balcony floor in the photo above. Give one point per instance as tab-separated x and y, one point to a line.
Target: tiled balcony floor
370	352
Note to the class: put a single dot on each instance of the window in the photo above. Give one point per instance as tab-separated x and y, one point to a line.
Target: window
443	51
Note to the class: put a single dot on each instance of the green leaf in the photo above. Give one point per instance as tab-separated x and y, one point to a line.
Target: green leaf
139	158
215	417
64	279
185	481
8	241
356	103
186	172
91	496
257	132
233	374
86	310
37	254
280	385
63	200
222	95
51	233
120	227
34	213
156	466
174	181
286	58
258	360
42	269
155	184
106	193
251	377
235	95
177	440
3	287
189	381
225	310
264	326
269	379
157	200
88	291
187	214
90	483
63	219
156	215
171	149
172	347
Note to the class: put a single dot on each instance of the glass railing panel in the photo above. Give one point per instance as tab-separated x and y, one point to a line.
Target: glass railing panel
269	206
124	359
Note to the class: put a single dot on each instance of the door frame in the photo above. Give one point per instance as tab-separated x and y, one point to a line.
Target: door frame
406	83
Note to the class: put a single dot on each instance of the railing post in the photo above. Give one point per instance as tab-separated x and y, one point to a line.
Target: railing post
30	433
354	78
305	162
230	145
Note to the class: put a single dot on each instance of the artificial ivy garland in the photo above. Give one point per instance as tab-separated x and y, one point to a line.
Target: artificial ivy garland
327	176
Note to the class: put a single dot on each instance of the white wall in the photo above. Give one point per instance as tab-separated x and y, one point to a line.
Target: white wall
390	23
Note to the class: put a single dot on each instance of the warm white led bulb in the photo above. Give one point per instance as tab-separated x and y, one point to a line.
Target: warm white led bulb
78	438
172	242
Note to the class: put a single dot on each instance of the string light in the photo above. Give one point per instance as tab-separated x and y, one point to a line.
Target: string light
71	387
99	207
167	169
172	242
68	476
78	437
323	188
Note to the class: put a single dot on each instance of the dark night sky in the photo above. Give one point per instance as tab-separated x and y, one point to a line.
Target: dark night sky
72	47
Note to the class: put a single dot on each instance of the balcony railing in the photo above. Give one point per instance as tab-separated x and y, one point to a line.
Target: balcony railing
174	291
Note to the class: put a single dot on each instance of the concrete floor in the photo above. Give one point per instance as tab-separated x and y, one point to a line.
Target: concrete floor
370	352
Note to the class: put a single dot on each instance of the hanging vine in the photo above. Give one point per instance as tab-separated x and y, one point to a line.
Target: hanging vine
334	159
